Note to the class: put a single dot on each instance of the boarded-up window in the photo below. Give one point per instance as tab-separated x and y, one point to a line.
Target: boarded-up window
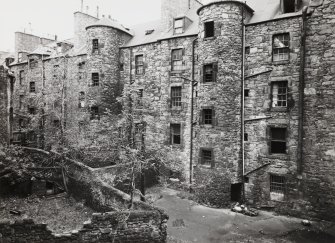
278	140
281	47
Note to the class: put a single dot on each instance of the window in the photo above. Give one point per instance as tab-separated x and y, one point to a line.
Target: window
175	133
32	110
81	100
20	57
95	113
277	187
21	101
177	59
210	71
21	76
179	26
32	87
56	123
288	6
278	140
95	45
247	50
176	96
281	47
139	135
32	63
81	65
246	137
139	67
246	93
279	94
208	116
206	157
95	79
140	97
209	29
121	67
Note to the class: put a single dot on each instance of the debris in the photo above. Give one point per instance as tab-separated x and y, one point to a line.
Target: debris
174	180
306	223
244	210
14	212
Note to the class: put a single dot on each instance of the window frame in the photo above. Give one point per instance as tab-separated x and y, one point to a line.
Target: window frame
94	113
95	79
174	127
177	28
140	94
176	96
174	60
282	85
21	76
95	45
209	163
277	187
33	63
139	64
214	67
273	140
211	113
32	87
285	50
206	29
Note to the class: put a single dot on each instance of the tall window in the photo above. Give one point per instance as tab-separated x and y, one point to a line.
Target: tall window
208	116
95	79
279	94
277	187
139	135
176	96
207	157
139	66
209	29
175	133
32	63
177	59
281	47
21	76
140	97
278	140
81	100
32	87
32	110
210	72
95	115
20	57
21	101
95	45
288	6
179	26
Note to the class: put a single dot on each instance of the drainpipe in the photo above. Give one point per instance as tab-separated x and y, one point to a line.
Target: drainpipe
242	102
191	119
301	91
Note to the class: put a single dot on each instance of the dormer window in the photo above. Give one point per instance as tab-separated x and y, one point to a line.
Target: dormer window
149	32
288	6
178	26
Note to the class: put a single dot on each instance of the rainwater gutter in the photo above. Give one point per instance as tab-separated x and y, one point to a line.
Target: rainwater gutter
242	101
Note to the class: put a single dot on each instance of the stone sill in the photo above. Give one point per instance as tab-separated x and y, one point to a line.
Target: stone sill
208	83
281	62
278	109
279	156
209	38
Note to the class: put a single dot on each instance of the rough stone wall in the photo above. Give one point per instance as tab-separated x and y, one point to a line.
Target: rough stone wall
319	105
156	83
125	227
3	105
224	95
261	72
81	21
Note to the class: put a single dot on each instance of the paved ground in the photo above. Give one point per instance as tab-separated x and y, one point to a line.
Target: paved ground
190	223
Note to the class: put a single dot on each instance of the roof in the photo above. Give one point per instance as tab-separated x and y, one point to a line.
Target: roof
221	1
107	22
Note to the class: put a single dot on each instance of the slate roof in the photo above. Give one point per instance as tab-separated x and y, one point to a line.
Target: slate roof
110	23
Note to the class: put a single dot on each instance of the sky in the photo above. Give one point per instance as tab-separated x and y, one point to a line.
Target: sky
55	17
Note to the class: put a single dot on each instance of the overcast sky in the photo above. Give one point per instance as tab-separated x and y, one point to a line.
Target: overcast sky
55	17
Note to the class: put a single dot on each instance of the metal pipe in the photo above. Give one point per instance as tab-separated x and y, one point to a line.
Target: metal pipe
242	100
301	91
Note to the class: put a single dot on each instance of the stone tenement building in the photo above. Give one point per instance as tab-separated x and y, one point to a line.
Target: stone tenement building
241	92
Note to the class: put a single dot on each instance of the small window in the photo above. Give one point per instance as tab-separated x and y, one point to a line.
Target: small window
278	140
149	32
288	6
209	29
81	65
179	26
32	87
140	97
176	96
56	123
210	72
208	116
95	79
277	187
139	65
95	45
139	134
81	100
21	76
207	157
177	59
20	57
281	47
32	63
32	110
246	93
21	101
279	94
175	133
121	67
95	113
247	50
246	137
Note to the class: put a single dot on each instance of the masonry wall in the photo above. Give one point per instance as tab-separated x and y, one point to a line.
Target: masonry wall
132	227
81	21
3	105
260	115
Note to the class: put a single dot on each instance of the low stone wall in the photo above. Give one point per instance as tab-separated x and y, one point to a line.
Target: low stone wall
117	227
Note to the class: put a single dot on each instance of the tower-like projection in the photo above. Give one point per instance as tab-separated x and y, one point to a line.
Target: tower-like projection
218	137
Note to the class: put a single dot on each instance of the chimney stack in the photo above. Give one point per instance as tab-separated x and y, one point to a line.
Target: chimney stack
97	11
82	6
87	8
109	17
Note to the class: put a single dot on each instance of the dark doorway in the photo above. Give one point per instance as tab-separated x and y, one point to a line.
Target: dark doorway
236	192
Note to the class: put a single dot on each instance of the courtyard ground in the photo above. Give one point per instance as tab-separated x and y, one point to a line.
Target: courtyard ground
61	213
190	222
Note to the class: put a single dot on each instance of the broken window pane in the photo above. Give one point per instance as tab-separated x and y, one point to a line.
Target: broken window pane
279	94
281	48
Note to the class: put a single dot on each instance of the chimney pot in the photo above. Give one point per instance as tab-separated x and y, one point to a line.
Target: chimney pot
109	17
